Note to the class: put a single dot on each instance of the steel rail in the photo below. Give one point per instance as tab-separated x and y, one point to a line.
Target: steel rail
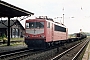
9	54
75	57
60	55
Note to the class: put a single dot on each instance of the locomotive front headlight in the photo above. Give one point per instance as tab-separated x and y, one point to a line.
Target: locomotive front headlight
27	36
43	36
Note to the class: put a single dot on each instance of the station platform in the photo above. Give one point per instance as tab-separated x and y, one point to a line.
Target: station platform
86	55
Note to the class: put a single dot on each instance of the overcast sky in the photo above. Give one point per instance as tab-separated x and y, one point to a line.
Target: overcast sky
79	9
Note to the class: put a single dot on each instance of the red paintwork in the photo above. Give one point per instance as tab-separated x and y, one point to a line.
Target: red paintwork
49	33
37	36
52	35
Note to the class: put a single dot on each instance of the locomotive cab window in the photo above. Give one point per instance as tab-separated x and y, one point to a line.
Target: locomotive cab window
39	25
35	25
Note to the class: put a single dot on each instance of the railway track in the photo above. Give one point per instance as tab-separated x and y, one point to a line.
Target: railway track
72	53
47	55
26	54
17	54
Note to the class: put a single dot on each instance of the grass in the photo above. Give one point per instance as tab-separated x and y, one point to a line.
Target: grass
17	39
15	44
13	39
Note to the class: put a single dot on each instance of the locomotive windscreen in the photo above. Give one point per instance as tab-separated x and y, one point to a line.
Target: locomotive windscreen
35	25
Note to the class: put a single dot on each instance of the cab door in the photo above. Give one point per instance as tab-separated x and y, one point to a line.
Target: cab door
50	32
52	29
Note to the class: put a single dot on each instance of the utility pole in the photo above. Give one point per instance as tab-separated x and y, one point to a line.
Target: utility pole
63	18
63	15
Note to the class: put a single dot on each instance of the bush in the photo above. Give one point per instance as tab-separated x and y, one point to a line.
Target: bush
3	37
0	38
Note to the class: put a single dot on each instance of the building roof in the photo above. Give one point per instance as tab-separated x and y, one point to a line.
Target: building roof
8	10
4	23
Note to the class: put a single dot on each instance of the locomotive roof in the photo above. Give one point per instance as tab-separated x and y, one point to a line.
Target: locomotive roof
57	23
49	20
45	18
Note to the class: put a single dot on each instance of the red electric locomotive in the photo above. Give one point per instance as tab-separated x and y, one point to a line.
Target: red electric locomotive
41	32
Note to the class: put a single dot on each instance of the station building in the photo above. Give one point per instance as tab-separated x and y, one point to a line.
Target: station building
16	28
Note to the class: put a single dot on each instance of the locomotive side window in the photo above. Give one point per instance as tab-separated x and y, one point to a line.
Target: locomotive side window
59	28
27	25
48	24
35	25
